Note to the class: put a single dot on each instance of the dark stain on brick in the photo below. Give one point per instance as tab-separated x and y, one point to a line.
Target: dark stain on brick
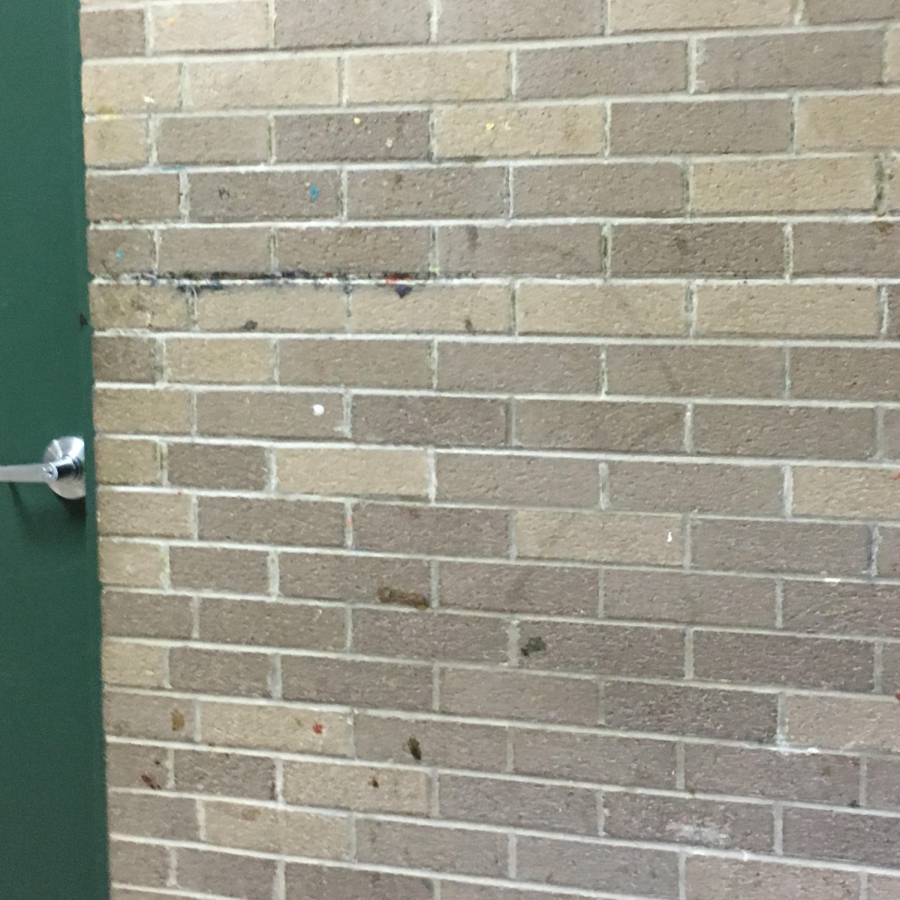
402	598
415	749
533	645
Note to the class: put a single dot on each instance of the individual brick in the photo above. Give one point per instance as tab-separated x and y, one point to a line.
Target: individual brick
850	122
839	59
888	551
115	252
219	672
116	142
780	547
822	310
854	837
131	563
502	20
842	248
153	816
892	55
127	614
426	846
843	374
820	12
539	590
185	27
427	75
430	636
143	514
355	251
787	431
883	888
145	306
427	531
277	307
251	83
271	830
882	784
225	873
848	493
350	22
213	139
453	745
438	421
600	309
517	480
458	891
133	665
262	196
218	361
726	249
156	718
610	69
281	522
122	893
115	88
844	723
509	130
304	882
469	250
210	569
435	193
220	468
667	487
355	363
626	870
660	15
135	766
519	695
200	251
697	712
635	189
823	608
688	599
322	137
224	774
891	435
136	198
890	676
124	359
599	425
112	32
357	683
701	126
644	540
270	414
357	788
771	774
146	864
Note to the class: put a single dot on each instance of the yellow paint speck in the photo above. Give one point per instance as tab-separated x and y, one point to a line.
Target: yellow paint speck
356	120
489	126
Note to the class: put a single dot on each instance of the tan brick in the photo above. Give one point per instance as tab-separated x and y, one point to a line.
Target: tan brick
872	609
143	513
666	15
225	873
358	788
270	830
882	784
128	614
114	252
889	551
755	880
845	836
141	863
210	26
219	672
115	142
225	774
270	414
210	569
209	139
844	723
452	890
143	716
472	309
353	472
141	411
892	55
299	23
285	307
821	12
261	196
219	361
133	462
355	363
499	20
133	665
520	695
517	480
261	83
427	75
121	893
153	816
304	882
157	308
217	468
239	251
275	727
728	249
846	249
785	185
445	193
117	88
704	126
502	131
844	374
114	32
131	563
848	493
856	122
792	311
284	522
883	888
124	359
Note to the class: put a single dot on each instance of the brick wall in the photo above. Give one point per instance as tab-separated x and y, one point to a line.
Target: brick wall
499	415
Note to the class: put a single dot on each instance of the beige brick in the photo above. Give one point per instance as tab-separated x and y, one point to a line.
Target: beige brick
847	248
299	23
208	568
219	361
226	873
279	727
501	131
711	877
843	608
130	614
261	83
114	32
883	888
353	472
845	374
124	359
427	75
847	493
131	563
157	308
845	836
858	122
305	881
358	788
432	308
146	716
133	665
500	20
219	672
113	89
116	251
126	462
241	251
267	521
116	142
217	468
270	414
804	185
600	309
143	513
137	198
892	61
141	411
882	784
827	310
668	15
141	863
213	139
154	816
210	26
288	307
272	830
824	11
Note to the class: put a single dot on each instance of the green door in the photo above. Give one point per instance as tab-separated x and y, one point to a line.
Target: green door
52	797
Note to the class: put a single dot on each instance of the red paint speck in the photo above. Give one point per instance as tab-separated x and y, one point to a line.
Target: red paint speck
895	476
897	696
317	728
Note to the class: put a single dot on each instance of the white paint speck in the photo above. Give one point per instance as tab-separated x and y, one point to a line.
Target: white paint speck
318	409
669	539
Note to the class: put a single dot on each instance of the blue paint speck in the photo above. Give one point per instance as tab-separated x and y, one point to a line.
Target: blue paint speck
313	192
120	254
